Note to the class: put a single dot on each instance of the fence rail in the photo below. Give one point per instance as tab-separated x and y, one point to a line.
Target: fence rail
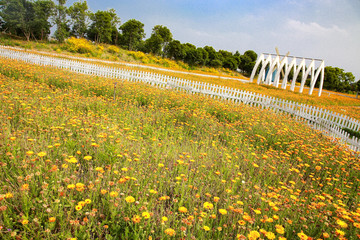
330	123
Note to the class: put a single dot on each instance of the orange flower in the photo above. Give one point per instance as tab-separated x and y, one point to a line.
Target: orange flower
169	231
326	235
241	222
52	219
136	219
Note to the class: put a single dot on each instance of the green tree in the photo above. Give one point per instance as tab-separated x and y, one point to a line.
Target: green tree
230	62
251	54
104	26
337	79
43	11
175	50
215	59
79	15
159	39
62	27
247	61
132	33
18	16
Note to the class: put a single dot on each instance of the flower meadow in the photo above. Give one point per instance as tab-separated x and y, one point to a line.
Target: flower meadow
329	100
78	163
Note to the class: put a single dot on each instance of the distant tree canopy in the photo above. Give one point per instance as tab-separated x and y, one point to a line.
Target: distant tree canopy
79	16
158	41
104	27
27	18
62	26
337	79
132	33
33	19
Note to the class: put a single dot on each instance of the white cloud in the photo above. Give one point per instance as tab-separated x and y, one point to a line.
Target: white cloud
313	29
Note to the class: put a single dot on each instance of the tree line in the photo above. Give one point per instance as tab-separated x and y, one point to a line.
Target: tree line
34	19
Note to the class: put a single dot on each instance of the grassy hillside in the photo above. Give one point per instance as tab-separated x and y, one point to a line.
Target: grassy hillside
85	48
157	164
329	100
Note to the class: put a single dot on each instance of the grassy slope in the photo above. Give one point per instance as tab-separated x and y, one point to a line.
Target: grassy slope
166	150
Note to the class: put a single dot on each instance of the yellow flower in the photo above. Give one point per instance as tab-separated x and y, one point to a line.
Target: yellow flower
183	209
253	235
257	211
103	191
270	235
208	205
71	186
29	153
280	229
145	215
80	187
341	223
222	211
41	154
87	201
87	158
302	236
114	194
206	228
9	195
24	221
130	199
169	231
164	219
72	160
339	232
78	207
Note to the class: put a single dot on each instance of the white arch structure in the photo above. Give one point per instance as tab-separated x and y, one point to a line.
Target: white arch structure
272	65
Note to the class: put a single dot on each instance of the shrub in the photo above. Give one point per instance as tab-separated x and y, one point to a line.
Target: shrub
113	49
79	45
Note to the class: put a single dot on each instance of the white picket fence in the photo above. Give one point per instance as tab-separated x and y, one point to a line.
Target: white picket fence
330	123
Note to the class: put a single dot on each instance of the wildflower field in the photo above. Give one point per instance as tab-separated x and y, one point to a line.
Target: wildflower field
160	164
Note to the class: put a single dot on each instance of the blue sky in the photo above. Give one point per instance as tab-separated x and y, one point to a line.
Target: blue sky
325	29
